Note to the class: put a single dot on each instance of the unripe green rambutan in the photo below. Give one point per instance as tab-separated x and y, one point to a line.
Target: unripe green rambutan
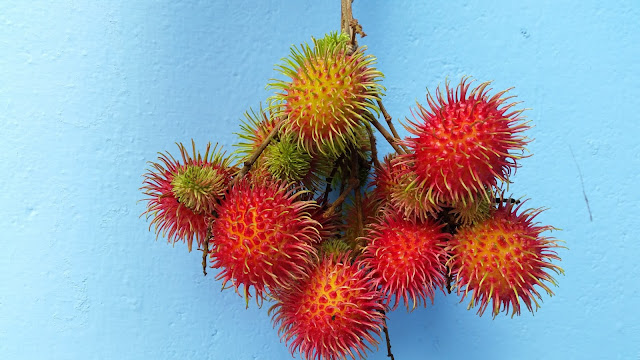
328	92
286	161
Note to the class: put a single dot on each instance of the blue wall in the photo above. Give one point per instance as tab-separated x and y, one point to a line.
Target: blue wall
90	91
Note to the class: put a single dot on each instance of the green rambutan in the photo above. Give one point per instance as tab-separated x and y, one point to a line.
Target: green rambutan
331	313
286	161
406	258
329	91
502	258
263	236
464	143
182	195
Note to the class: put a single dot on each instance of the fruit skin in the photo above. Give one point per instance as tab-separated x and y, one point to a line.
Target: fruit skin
464	143
263	236
474	210
501	259
327	95
330	313
407	258
182	194
398	187
254	129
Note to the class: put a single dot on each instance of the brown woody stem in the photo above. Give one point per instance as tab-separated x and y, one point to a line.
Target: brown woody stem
205	249
374	150
386	335
353	183
390	139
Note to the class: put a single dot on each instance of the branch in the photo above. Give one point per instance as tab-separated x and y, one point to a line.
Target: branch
387	117
374	150
386	335
353	183
205	250
329	180
385	133
346	17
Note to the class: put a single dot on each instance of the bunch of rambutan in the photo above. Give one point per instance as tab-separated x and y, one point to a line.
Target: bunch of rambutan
306	216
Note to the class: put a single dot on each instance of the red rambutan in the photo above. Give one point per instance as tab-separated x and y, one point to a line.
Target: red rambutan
406	258
501	259
263	236
183	195
331	313
464	143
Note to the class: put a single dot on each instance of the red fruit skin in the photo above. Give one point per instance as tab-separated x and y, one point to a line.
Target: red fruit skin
464	143
330	313
407	259
500	259
263	236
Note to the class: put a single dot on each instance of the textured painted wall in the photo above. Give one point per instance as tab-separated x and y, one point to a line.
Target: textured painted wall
90	91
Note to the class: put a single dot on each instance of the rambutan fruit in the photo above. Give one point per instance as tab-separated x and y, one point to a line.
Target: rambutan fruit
263	236
329	91
407	258
332	313
464	143
473	211
285	160
357	217
183	195
254	130
397	185
502	258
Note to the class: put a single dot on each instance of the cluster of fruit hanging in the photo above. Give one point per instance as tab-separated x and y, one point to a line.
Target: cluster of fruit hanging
431	216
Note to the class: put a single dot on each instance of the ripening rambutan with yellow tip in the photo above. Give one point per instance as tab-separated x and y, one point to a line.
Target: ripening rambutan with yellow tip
406	258
500	261
464	142
182	194
333	313
327	93
263	236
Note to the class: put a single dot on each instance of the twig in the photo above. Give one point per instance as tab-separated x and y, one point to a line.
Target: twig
205	250
386	335
346	17
353	183
256	154
384	133
355	170
329	180
374	150
387	117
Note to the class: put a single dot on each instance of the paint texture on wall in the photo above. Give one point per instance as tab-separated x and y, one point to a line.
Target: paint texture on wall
91	91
